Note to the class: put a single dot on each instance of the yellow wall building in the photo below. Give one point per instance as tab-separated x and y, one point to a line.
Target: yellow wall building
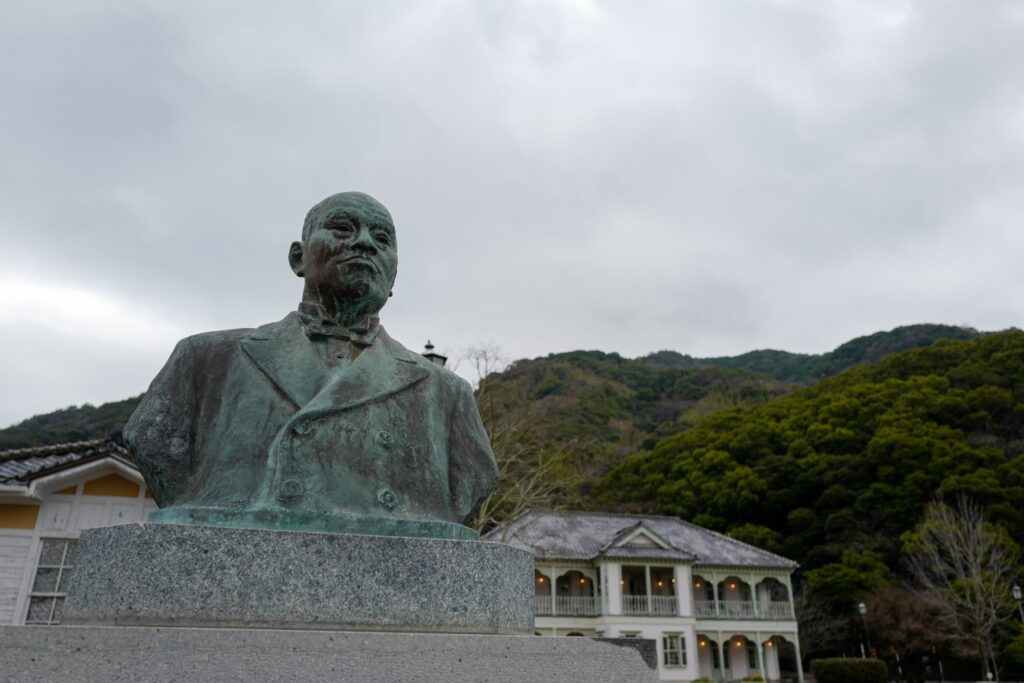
47	496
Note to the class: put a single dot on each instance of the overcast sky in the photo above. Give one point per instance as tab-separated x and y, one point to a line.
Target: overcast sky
709	177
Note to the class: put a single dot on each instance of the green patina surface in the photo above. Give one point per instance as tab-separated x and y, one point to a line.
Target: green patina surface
320	421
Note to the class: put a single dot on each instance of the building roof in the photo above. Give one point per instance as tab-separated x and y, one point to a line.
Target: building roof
22	465
591	535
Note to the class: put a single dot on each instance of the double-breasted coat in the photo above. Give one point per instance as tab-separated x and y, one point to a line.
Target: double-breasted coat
250	428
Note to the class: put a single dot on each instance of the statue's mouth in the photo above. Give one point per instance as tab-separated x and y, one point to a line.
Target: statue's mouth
361	261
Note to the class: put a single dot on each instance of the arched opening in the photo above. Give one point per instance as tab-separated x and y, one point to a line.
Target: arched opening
741	658
703	596
773	599
735	599
574	594
541	583
780	660
542	593
708	662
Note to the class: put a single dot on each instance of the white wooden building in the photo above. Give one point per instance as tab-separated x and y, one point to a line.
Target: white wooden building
717	608
47	496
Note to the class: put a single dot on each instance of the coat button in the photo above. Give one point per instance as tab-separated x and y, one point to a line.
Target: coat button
302	428
384	439
387	498
290	491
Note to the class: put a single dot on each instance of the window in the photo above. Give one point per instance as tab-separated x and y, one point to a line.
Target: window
674	650
629	634
751	656
50	587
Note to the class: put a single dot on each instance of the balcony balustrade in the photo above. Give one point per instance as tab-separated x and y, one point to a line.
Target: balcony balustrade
662	605
776	610
736	609
566	606
704	608
742	609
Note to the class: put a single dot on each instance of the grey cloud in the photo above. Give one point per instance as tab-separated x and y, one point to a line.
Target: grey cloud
710	177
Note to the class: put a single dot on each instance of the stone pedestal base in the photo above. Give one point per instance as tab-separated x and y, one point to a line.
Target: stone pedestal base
169	575
156	655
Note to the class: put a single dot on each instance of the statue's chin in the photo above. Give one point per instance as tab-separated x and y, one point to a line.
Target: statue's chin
360	297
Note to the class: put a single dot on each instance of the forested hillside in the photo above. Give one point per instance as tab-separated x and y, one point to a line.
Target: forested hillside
809	368
77	423
611	404
588	410
851	462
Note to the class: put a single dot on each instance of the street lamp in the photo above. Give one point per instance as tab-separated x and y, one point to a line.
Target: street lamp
863	609
1016	596
428	353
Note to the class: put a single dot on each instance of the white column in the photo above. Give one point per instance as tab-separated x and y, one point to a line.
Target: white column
613	598
772	661
789	597
714	591
684	590
647	581
799	664
554	585
753	597
760	657
721	658
692	652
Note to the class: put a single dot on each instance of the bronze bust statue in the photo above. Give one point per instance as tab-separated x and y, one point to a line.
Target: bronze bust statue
321	421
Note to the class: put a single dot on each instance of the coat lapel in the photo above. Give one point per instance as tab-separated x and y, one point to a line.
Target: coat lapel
283	352
383	368
285	355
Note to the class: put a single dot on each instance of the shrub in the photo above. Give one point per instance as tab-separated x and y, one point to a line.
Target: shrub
753	678
850	671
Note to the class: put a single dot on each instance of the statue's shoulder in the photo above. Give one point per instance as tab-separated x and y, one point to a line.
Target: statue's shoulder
216	340
222	341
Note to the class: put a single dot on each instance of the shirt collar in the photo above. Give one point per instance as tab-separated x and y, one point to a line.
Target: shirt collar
317	324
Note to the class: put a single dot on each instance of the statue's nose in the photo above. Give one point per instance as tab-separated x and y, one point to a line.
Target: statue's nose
364	241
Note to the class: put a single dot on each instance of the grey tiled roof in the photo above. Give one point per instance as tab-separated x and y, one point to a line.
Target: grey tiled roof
24	464
588	535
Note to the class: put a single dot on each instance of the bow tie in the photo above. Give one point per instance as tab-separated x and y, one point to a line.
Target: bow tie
315	325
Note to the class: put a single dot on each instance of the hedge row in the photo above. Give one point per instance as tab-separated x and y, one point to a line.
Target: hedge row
850	671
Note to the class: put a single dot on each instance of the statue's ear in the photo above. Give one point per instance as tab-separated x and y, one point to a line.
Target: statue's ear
295	258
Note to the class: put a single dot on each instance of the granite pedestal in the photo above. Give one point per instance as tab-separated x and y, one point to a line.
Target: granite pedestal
175	575
148	654
160	603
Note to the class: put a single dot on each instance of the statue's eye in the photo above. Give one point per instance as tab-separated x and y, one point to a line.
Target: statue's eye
341	229
382	237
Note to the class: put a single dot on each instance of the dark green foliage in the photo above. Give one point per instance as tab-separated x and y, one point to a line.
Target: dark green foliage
77	423
598	407
802	368
839	586
851	462
1014	651
850	670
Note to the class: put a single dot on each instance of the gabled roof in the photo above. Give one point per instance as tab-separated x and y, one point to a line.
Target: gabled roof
591	535
22	465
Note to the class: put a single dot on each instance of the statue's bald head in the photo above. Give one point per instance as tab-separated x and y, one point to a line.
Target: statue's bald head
359	203
348	255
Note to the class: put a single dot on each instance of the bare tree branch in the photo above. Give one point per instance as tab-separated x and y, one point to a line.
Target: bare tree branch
966	565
